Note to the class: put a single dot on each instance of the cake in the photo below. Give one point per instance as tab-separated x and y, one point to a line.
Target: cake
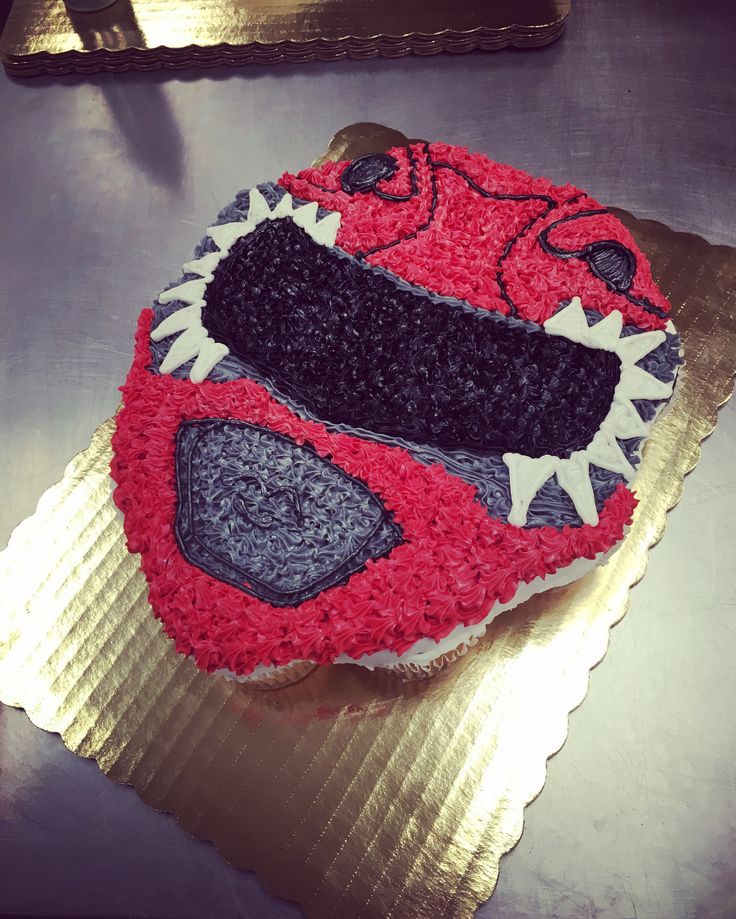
387	399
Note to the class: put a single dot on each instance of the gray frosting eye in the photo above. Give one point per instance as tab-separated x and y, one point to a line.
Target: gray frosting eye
365	172
272	517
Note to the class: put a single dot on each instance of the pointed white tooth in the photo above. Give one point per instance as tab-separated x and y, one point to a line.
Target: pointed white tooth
188	292
325	232
605	334
258	208
606	453
210	354
306	216
526	475
188	317
186	346
204	266
624	421
632	348
569	322
636	383
284	207
573	475
225	234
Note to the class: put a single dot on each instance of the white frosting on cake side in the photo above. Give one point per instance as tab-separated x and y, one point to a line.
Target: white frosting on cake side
427	649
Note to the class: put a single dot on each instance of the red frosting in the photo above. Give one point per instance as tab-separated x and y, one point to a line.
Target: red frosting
457	255
455	563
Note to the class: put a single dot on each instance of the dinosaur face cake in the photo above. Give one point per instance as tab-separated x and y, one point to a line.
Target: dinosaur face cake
387	400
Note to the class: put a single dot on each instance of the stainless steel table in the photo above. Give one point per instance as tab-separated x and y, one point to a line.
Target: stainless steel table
105	182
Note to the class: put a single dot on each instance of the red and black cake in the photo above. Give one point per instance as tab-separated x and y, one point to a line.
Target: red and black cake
387	399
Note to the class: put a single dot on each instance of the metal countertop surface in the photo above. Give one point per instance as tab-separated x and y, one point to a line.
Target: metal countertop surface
106	183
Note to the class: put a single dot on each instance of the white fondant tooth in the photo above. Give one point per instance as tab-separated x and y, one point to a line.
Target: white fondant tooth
284	208
258	208
624	421
204	266
573	475
604	335
225	234
325	232
605	452
570	322
188	292
210	354
636	383
306	216
186	346
178	321
526	475
633	348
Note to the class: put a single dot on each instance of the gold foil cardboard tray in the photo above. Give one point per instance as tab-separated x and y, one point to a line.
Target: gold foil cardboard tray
43	36
352	793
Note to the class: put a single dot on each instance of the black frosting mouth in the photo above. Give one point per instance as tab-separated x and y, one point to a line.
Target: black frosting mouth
356	347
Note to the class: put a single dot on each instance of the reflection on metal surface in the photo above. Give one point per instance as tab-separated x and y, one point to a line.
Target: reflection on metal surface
114	28
46	37
379	797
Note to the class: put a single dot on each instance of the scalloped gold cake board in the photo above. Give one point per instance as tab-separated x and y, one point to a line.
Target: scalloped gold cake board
352	793
44	36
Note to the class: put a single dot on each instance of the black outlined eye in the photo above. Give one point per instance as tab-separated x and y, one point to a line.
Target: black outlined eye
365	172
612	262
607	259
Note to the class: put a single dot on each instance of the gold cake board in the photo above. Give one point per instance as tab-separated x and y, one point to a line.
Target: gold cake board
44	36
351	792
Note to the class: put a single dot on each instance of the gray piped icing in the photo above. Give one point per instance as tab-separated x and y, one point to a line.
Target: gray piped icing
552	506
273	518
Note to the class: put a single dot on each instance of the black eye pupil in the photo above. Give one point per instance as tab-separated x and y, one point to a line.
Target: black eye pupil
366	171
612	262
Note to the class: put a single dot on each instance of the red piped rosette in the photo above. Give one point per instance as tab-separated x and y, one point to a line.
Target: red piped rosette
454	564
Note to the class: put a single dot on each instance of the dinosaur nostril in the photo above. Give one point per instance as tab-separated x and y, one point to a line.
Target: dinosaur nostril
612	262
366	171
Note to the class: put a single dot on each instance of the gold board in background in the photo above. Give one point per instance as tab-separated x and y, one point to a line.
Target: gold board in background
352	793
43	36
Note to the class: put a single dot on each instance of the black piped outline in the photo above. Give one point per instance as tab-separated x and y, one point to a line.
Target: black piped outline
360	254
264	522
556	252
498	196
386	196
641	302
385	158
